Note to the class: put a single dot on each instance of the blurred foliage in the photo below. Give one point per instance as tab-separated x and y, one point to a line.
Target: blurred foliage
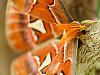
82	9
98	9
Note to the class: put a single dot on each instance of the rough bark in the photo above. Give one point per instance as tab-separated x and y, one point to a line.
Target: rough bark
88	57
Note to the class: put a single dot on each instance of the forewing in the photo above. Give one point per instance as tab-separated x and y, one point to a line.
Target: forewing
50	11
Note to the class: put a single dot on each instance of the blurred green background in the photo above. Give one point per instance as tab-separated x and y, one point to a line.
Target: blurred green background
98	9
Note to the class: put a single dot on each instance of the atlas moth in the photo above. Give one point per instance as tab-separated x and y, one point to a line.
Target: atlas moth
30	23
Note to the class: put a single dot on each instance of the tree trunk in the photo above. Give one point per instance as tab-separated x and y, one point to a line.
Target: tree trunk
88	54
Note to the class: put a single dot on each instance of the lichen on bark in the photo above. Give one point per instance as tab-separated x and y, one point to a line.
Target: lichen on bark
88	54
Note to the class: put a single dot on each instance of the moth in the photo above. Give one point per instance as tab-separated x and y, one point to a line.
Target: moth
30	23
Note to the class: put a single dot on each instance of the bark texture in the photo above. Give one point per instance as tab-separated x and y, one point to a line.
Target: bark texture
88	55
